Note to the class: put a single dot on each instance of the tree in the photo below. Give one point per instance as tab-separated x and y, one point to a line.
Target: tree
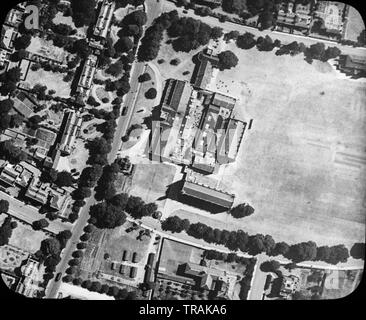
85	237
34	121
246	41
234	6
81	245
119	200
52	261
136	17
6	231
270	266
83	12
281	248
50	246
124	44
256	244
316	51
216	32
4	206
173	224
64	235
23	41
77	281
144	77
64	179
115	69
74	262
89	228
241	210
358	251
338	253
18	55
132	30
107	215
81	47
227	60
104	288
331	53
113	291
10	152
122	294
304	251
90	175
82	193
40	224
86	284
151	93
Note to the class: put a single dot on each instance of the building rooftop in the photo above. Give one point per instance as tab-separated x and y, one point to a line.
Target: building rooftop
201	192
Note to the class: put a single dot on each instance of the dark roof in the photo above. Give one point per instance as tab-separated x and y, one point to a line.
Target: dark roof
354	62
216	197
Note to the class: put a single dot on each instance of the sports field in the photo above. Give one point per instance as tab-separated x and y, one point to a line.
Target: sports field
302	165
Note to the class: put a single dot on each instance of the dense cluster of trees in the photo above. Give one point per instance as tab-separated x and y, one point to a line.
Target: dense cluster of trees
249	8
314	51
241	210
11	153
9	81
22	42
83	12
96	286
137	208
98	150
255	244
8	120
188	34
105	188
7	227
50	250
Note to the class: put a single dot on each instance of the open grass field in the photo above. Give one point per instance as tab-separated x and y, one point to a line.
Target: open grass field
302	165
150	181
53	81
354	25
24	237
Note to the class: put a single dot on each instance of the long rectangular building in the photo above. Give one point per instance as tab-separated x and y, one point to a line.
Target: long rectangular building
207	194
104	18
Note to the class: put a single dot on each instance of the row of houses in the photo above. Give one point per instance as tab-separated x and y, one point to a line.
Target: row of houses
296	15
9	33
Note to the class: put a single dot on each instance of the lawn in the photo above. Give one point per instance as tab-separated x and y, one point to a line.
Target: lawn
168	70
150	181
24	237
52	80
143	105
302	165
354	25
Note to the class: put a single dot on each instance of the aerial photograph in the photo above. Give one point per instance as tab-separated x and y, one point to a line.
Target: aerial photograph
182	150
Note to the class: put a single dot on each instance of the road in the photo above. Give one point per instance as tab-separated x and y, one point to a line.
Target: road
29	214
66	253
122	126
283	37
